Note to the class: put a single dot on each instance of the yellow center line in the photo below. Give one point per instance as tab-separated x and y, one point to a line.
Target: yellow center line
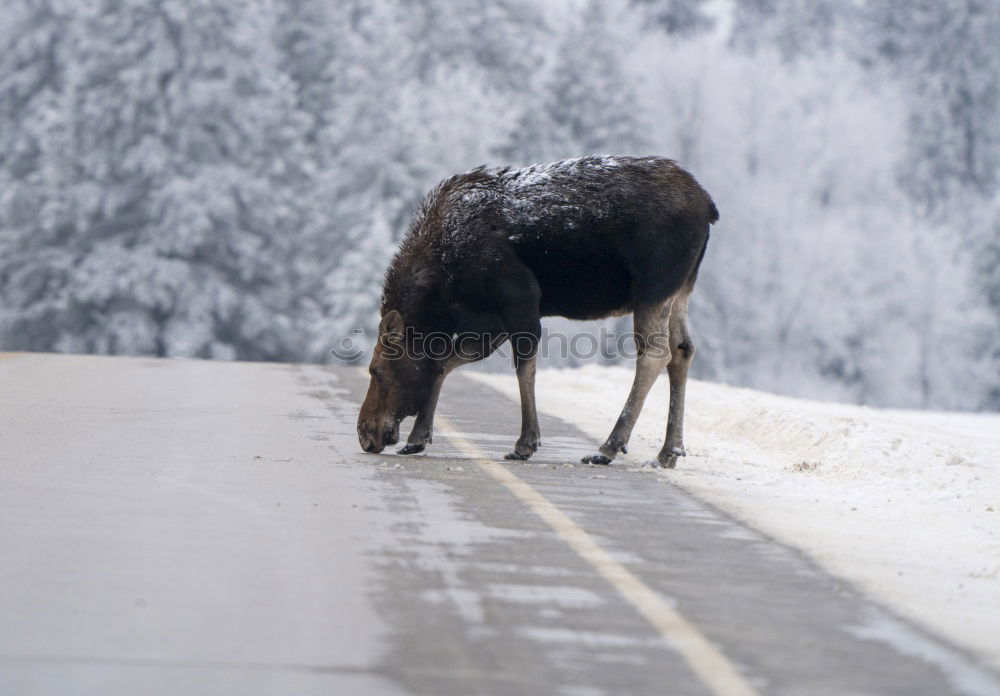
704	659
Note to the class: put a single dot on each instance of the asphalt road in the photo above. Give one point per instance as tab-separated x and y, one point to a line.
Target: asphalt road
186	527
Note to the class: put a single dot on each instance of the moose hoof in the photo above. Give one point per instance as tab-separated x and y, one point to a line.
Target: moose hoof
596	458
668	460
523	451
411	448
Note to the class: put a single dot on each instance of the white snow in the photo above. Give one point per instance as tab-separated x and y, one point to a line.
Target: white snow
905	505
538	174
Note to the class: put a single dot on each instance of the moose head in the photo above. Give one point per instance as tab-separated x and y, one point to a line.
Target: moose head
405	381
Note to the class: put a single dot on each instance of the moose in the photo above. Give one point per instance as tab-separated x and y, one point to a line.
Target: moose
492	251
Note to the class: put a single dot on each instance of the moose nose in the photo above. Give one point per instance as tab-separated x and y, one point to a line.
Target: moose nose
369	445
368	441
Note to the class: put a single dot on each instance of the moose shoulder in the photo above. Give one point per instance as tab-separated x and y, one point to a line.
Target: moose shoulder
491	251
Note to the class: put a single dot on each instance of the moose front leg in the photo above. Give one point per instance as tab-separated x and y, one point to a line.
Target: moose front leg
530	432
653	354
517	297
423	428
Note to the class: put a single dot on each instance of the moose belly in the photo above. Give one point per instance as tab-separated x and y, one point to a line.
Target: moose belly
581	288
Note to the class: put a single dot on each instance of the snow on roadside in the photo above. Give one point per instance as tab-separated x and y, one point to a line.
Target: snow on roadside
904	504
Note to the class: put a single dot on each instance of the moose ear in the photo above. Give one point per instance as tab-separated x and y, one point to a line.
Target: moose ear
392	323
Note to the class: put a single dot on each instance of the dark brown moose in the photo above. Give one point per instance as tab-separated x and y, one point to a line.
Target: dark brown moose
491	251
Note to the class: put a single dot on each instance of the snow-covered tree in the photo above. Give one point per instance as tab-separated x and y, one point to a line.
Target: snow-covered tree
949	58
169	170
499	37
306	37
586	104
794	27
32	71
678	17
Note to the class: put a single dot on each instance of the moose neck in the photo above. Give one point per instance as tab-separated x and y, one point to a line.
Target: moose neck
413	285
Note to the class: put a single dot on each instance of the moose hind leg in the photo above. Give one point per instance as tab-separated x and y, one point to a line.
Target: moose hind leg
681	354
652	354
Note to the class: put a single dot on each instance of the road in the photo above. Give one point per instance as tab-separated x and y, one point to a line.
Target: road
188	527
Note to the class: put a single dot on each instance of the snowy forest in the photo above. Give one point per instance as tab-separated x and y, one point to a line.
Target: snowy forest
228	178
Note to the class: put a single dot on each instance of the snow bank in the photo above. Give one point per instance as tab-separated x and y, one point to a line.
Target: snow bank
903	504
